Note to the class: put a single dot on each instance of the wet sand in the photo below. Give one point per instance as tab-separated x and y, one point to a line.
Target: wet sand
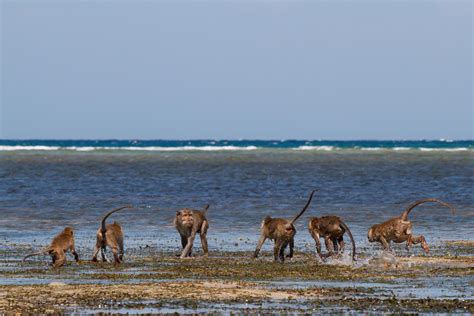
151	281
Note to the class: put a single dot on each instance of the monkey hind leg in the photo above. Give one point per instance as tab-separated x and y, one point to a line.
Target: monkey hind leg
102	253
120	249
336	245
59	259
281	252
341	243
204	244
115	251
292	245
96	253
203	236
417	240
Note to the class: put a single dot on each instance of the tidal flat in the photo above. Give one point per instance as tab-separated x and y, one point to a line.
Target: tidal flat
151	281
43	192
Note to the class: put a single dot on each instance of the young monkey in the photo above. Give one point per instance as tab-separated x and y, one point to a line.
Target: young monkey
111	236
282	231
60	244
188	223
399	229
332	229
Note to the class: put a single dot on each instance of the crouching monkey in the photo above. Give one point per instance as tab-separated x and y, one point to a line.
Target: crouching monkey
60	244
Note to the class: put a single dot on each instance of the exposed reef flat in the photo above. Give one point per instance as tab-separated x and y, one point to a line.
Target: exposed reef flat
233	282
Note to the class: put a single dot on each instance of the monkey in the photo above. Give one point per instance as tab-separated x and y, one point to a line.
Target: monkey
60	244
110	236
188	223
282	231
332	229
399	229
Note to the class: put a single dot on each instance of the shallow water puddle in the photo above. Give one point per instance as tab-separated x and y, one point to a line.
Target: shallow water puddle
421	288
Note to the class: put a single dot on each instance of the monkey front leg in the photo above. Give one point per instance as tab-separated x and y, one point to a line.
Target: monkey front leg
187	250
276	249
259	245
329	246
74	253
385	244
318	246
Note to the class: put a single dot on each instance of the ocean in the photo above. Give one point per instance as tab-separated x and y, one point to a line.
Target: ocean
48	184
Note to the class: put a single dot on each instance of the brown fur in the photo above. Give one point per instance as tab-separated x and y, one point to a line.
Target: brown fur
332	229
399	229
60	244
111	236
189	223
282	231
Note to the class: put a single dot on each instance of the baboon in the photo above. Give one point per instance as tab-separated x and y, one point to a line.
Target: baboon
110	236
332	229
189	223
60	244
282	232
399	229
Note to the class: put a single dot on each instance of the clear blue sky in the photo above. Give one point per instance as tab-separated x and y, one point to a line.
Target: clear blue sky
237	69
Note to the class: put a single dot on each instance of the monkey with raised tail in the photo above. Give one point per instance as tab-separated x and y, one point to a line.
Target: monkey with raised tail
111	236
282	231
399	229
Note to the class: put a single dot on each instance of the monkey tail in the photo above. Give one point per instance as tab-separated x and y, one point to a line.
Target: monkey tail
39	253
205	208
305	207
352	240
103	230
407	211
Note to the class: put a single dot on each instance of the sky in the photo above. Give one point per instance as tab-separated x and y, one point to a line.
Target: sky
236	69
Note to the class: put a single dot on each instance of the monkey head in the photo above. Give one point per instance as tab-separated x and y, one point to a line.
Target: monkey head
372	235
69	230
185	217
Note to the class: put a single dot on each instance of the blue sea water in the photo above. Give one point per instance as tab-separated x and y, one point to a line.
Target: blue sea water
48	184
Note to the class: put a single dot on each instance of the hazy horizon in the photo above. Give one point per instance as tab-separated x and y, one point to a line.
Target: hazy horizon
185	70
